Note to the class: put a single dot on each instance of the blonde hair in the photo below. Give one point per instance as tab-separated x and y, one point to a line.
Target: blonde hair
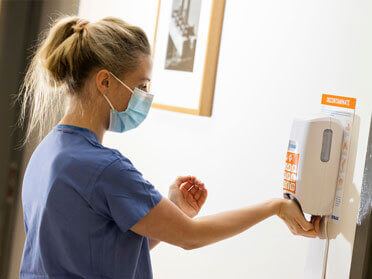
64	58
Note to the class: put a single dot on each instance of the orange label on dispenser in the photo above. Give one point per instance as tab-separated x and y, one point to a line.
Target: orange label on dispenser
338	101
290	172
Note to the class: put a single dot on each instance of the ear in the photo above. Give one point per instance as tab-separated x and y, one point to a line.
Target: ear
103	81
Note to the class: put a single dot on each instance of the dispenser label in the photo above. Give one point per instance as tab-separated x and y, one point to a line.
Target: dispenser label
342	108
290	172
338	101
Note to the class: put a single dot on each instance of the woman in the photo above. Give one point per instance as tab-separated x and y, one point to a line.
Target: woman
88	212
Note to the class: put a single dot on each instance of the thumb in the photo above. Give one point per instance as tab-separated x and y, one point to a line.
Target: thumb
182	179
306	226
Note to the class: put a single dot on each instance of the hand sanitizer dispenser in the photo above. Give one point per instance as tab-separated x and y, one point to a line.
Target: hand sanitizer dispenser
312	164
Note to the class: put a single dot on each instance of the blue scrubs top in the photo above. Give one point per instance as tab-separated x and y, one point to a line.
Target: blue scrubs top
80	200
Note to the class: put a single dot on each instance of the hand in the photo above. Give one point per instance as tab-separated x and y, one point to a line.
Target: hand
295	220
189	194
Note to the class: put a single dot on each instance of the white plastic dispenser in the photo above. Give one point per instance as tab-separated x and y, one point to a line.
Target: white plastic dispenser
312	163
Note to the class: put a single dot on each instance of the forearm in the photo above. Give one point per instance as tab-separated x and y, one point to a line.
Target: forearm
213	228
168	223
154	242
190	213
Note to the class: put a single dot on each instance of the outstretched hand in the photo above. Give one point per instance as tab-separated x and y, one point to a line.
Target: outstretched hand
189	194
295	220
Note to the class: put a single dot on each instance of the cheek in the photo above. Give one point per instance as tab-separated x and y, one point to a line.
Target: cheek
121	101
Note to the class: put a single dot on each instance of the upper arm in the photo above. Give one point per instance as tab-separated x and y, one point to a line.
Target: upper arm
166	222
121	194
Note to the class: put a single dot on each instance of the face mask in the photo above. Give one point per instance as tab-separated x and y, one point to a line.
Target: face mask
137	110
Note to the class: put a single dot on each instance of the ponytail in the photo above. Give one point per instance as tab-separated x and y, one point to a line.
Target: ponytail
64	58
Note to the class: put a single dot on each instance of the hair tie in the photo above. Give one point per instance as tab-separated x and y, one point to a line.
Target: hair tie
82	22
79	25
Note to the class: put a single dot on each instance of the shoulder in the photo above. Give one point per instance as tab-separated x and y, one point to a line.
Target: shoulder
120	192
114	160
98	164
105	159
121	176
119	170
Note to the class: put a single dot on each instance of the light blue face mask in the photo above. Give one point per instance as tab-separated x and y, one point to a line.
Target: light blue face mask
137	110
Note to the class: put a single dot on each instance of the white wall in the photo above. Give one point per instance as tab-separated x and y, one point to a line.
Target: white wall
276	59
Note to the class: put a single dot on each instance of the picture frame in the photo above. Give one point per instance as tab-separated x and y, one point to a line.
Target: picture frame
185	55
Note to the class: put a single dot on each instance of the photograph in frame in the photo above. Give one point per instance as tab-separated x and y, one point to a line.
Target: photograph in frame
185	55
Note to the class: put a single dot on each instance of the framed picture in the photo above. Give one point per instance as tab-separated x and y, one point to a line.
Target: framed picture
185	55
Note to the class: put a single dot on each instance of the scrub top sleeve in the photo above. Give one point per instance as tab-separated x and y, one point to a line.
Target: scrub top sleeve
123	195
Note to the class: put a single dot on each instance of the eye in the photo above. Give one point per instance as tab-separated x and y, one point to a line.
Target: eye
143	87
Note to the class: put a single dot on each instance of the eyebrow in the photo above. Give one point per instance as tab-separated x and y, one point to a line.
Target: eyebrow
145	79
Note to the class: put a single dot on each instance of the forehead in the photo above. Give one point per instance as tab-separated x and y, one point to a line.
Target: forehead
144	68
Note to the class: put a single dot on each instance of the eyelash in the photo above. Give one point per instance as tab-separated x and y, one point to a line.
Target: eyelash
143	86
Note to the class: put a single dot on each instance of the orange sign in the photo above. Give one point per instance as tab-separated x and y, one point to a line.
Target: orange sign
338	101
290	172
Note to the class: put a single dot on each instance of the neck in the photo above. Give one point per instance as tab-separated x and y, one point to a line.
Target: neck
85	117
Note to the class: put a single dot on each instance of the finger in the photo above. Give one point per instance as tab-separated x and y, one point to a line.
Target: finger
198	194
182	179
196	181
300	231
186	186
193	189
192	202
203	197
315	220
297	228
305	225
184	189
193	179
311	234
201	185
316	224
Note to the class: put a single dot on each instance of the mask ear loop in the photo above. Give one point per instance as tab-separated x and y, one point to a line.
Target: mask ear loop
122	83
108	102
